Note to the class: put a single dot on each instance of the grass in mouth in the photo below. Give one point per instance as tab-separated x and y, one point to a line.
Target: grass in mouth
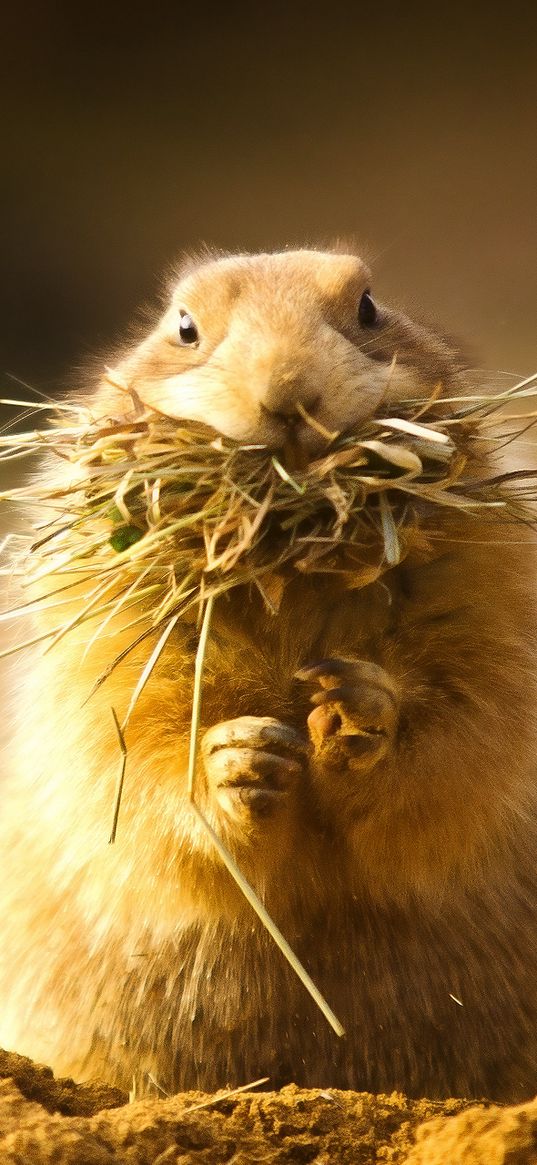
167	514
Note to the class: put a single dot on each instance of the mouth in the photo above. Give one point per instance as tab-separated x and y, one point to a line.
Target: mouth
302	444
297	438
295	456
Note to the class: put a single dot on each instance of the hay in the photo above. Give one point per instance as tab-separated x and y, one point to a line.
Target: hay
160	515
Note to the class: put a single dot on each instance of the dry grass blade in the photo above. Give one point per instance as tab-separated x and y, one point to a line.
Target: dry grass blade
269	924
121	777
157	650
414	430
389	529
225	1094
196	696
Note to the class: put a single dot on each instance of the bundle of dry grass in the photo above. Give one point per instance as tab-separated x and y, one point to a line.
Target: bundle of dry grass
161	516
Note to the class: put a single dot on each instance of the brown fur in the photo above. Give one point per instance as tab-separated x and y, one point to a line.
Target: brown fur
399	860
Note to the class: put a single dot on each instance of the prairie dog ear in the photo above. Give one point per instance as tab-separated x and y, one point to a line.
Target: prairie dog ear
333	273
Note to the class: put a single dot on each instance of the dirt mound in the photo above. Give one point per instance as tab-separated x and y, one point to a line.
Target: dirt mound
45	1121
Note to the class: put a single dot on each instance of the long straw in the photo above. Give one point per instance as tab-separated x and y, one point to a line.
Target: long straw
228	860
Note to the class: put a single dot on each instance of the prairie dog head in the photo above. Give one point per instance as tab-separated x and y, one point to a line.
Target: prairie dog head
248	344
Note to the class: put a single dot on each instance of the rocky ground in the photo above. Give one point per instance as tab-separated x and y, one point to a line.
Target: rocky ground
44	1121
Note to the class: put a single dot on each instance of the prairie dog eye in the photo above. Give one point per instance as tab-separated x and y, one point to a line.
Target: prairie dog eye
367	311
188	332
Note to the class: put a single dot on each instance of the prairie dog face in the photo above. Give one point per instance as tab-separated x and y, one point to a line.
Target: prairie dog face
250	342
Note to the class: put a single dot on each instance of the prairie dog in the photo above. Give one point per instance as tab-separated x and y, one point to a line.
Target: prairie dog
391	829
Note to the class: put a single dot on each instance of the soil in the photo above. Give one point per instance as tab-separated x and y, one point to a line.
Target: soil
44	1121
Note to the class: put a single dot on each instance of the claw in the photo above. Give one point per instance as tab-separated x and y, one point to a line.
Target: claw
328	671
255	732
324	667
331	695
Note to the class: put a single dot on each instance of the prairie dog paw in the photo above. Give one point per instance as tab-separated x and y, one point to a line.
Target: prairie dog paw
356	710
252	764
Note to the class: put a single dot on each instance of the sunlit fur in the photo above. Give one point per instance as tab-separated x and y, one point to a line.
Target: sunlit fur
408	890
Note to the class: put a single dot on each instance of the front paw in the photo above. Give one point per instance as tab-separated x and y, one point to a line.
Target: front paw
252	765
355	717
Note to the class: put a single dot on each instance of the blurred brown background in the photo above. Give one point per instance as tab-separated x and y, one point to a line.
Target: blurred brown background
129	138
